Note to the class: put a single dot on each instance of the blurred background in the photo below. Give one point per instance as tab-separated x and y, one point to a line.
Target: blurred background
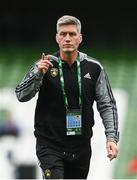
28	28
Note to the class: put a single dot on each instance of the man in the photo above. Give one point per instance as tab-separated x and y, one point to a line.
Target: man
69	82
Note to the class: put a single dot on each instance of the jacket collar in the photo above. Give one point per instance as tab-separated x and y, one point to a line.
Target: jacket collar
55	56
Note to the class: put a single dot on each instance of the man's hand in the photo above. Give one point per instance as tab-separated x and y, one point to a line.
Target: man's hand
112	150
44	63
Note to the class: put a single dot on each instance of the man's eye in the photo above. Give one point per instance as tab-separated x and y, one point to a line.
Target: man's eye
65	34
62	34
72	34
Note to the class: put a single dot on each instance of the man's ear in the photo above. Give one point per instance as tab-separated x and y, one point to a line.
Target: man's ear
80	38
57	38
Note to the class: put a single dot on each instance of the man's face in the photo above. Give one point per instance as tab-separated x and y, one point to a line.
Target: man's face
68	38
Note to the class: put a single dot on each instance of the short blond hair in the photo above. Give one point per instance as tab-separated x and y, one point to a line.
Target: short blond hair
66	20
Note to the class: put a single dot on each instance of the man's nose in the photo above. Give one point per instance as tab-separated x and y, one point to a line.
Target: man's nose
67	37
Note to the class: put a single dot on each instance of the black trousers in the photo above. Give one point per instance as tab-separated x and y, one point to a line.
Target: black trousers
57	164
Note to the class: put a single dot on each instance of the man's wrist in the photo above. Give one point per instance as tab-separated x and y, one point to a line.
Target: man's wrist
111	140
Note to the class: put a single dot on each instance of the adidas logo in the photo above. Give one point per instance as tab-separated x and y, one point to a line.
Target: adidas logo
87	76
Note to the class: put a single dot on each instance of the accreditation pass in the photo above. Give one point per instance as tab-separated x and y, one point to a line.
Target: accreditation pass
73	122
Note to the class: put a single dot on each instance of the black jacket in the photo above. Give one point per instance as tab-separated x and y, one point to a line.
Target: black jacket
50	113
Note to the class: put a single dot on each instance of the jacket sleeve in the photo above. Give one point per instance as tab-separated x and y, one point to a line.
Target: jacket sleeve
107	108
29	85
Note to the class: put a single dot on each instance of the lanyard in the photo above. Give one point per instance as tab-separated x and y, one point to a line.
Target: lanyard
62	82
